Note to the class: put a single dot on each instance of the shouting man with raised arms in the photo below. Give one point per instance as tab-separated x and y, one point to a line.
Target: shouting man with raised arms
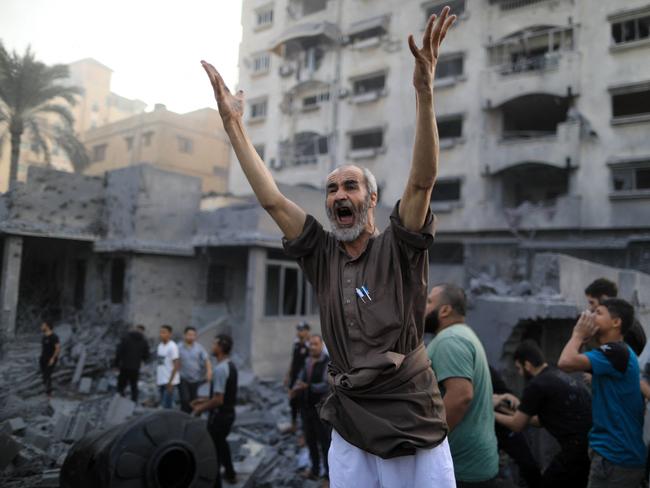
384	407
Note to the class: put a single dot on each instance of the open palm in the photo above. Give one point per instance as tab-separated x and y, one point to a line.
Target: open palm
426	57
231	107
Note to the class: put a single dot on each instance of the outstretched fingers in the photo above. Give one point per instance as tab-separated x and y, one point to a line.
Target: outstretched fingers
437	29
413	47
426	38
448	23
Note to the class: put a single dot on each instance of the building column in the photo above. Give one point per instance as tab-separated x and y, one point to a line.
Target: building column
254	296
10	283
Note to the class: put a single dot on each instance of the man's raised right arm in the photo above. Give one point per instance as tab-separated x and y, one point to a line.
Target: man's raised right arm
289	216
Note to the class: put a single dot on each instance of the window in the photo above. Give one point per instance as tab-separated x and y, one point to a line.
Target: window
315	101
631	176
447	253
185	145
259	148
631	101
312	6
146	138
513	4
216	284
264	17
99	152
258	109
449	66
373	139
287	291
118	268
457	7
374	83
129	142
374	32
631	30
450	127
446	190
261	63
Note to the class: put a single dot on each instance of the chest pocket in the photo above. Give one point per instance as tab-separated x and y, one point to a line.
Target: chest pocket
379	317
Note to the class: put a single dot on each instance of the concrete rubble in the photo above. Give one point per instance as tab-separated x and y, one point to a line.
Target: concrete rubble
36	435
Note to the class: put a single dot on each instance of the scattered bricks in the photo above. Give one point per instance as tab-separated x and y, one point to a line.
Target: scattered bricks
37	438
9	449
12	426
85	385
118	411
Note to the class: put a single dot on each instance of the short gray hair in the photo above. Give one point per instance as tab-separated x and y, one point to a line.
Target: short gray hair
371	181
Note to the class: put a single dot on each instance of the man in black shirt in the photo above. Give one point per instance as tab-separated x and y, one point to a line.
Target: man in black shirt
221	405
131	352
50	351
310	388
514	444
562	405
299	353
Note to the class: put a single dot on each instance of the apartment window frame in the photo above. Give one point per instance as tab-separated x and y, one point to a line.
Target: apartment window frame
261	63
452	78
624	91
117	280
99	152
629	172
261	112
304	302
457	192
447	142
638	20
314	101
264	17
379	91
216	283
367	132
435	7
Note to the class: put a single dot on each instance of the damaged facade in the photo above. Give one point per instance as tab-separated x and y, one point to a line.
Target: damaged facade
542	110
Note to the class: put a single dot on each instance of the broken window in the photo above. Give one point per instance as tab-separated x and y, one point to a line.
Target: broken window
99	152
631	101
450	127
447	253
631	177
457	7
79	283
631	30
446	191
118	272
259	149
287	291
258	109
449	66
216	284
261	63
532	116
372	139
374	83
534	183
264	17
185	145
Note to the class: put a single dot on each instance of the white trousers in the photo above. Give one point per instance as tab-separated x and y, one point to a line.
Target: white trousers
351	467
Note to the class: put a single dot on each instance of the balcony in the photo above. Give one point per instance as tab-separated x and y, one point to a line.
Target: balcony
304	35
561	149
563	213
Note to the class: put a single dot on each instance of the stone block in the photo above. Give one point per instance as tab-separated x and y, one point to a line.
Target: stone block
77	428
118	411
85	385
12	426
37	438
102	386
79	369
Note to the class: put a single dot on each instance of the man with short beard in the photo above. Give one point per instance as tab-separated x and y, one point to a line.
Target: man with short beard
385	407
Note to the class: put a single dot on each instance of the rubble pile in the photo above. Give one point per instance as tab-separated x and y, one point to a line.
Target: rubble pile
36	434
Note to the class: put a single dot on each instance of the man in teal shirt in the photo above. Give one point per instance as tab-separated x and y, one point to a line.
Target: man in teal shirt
459	361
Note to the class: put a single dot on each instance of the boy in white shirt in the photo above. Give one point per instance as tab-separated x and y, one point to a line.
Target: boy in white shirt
168	364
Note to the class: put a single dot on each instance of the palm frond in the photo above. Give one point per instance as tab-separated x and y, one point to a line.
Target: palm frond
39	140
73	148
61	110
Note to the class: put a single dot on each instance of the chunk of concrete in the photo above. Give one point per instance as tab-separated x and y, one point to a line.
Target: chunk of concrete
37	439
12	426
61	427
79	369
77	428
49	479
118	411
85	385
102	385
9	449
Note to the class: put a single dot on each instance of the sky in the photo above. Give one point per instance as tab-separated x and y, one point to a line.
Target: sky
153	47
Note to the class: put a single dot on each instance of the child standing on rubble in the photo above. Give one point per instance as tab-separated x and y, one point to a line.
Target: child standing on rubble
618	453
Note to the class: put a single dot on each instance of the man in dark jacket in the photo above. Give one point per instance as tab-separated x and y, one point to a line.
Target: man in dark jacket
131	352
311	387
299	354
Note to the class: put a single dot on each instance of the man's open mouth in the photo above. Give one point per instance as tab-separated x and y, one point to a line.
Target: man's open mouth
344	216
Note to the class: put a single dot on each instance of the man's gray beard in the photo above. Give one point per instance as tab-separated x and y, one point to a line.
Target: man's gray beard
350	234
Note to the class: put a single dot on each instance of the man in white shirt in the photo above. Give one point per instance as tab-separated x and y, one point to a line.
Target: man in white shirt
168	364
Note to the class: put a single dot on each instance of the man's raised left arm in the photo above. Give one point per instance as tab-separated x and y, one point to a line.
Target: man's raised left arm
424	165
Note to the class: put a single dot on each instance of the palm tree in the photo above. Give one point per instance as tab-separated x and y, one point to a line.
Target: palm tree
29	91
